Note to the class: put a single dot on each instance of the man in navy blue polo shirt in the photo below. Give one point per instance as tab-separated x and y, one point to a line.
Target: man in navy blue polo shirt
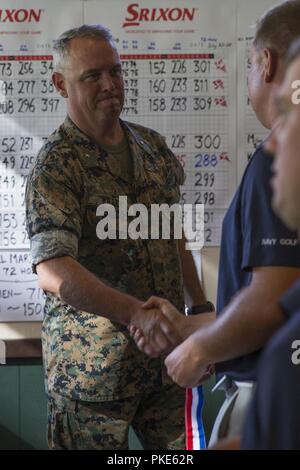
260	257
273	420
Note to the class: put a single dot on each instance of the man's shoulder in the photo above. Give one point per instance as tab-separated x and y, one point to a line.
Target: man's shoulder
258	172
261	161
56	152
56	142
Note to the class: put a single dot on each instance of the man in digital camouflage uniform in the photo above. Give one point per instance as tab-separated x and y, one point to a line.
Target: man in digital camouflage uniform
97	382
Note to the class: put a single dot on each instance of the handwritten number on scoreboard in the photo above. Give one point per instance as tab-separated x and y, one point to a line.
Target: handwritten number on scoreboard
26	94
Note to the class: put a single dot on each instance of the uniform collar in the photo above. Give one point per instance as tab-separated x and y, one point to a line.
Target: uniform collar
92	155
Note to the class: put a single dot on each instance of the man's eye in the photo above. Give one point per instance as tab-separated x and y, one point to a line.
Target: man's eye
116	72
93	77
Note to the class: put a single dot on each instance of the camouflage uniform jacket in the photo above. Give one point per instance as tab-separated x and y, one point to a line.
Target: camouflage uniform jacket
88	357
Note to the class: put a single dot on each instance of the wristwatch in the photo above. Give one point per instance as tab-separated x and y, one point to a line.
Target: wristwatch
202	308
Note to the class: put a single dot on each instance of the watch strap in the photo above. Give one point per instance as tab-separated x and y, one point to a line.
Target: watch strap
201	308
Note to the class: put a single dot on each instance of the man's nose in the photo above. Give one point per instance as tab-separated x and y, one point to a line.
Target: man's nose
106	81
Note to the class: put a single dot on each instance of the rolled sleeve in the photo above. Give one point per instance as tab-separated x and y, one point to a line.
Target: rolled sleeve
53	244
54	213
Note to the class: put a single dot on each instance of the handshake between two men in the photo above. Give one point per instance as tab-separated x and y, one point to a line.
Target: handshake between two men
162	330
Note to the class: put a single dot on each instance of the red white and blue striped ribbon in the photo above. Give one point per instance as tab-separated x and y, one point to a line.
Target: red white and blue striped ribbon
194	430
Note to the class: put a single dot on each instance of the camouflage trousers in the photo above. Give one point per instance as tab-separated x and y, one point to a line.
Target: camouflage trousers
157	418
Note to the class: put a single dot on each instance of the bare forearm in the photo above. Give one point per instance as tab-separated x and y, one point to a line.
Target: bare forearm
191	324
245	326
79	288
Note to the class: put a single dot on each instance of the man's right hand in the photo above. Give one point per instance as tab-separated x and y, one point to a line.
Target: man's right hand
185	326
153	332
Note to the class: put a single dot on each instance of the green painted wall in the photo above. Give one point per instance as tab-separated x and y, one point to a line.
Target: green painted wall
23	408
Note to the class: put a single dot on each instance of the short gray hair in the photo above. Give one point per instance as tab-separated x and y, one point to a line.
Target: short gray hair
278	27
293	52
62	44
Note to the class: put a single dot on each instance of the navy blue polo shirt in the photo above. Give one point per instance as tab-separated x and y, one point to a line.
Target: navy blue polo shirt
273	418
252	236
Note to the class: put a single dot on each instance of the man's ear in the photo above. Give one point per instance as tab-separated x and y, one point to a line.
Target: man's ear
59	83
270	64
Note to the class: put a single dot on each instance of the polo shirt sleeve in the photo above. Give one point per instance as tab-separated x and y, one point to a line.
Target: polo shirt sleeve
53	215
266	240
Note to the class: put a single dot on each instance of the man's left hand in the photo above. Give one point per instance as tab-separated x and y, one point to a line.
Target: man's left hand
186	365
